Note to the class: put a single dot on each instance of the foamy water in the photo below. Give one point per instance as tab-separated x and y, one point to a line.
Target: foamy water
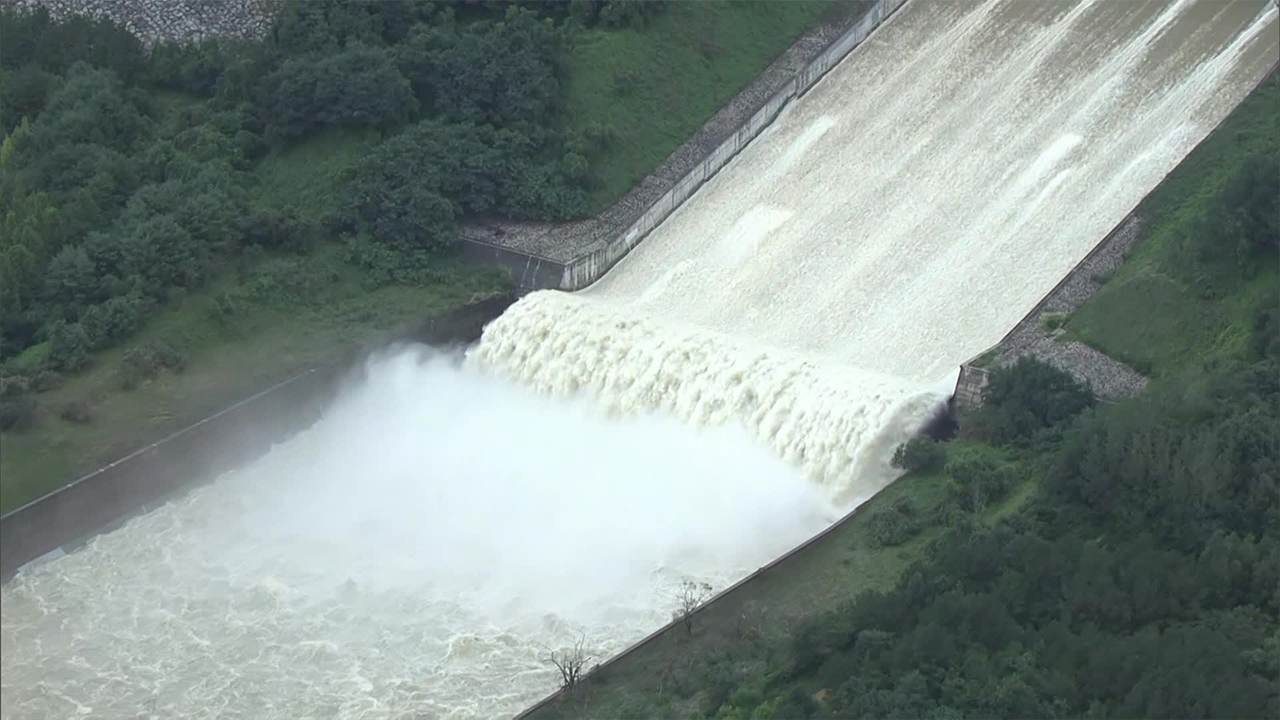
481	527
721	395
837	424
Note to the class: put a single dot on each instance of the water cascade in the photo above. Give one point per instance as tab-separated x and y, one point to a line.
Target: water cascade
726	391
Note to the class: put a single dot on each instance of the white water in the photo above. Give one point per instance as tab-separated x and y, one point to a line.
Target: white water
481	524
806	303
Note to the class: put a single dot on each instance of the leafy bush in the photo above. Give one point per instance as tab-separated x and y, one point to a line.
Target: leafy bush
77	411
359	87
920	454
71	277
17	405
69	346
34	38
25	92
894	525
1053	320
1264	341
1245	220
190	67
279	229
978	477
502	73
1025	398
112	320
46	380
17	412
148	360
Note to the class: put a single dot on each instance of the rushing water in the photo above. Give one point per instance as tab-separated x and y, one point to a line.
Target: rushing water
723	393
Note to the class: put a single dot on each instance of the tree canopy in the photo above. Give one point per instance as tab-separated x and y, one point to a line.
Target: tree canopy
126	174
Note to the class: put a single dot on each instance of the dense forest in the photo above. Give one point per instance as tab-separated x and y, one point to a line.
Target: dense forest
113	203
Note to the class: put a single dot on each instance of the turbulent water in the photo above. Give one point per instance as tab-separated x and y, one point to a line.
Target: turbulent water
480	527
726	391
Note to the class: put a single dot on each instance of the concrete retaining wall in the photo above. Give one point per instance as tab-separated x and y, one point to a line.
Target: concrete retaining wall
238	435
528	272
586	269
970	385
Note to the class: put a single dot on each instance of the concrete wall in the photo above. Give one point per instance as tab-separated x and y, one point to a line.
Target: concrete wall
970	385
529	272
240	434
588	268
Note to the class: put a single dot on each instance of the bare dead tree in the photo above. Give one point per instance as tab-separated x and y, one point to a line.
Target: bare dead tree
692	596
571	662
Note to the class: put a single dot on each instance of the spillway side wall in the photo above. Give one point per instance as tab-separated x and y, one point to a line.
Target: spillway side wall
529	272
586	269
200	452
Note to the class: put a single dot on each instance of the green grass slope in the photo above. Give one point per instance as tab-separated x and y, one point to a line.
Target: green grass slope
1158	313
656	85
250	329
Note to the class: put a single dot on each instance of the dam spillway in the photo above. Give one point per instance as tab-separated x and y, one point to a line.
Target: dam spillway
419	549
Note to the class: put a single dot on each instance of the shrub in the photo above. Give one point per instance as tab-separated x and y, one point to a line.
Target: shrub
148	360
1051	321
77	411
1264	340
114	319
68	346
358	87
70	276
1245	222
1026	397
46	380
278	229
978	478
894	525
226	306
17	412
625	81
12	386
1104	277
921	454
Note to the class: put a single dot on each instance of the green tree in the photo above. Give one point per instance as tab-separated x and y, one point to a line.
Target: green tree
1026	397
359	87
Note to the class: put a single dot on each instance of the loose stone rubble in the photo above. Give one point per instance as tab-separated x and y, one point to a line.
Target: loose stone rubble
1111	379
177	20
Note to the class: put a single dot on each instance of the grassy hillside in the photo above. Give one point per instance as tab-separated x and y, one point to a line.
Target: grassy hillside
1191	308
246	331
656	85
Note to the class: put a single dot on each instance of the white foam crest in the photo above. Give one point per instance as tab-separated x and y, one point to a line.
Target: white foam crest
839	424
